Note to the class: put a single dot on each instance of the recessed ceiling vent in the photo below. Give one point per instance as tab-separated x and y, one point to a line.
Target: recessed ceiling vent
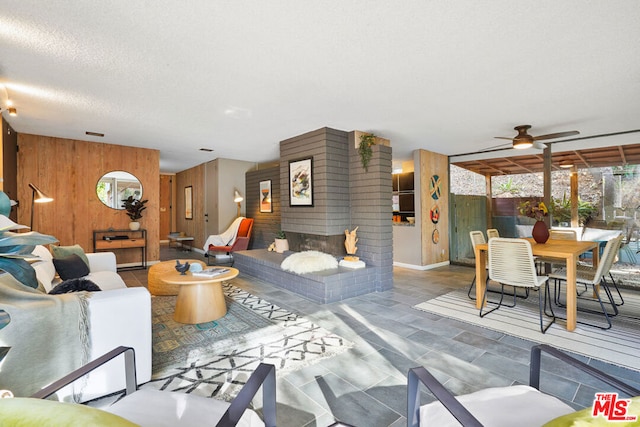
208	150
101	135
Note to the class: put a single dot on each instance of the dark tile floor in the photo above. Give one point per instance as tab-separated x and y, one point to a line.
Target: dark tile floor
365	386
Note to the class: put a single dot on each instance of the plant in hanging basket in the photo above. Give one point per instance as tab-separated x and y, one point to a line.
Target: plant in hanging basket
364	149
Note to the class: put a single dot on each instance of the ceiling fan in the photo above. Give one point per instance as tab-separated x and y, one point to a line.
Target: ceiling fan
523	140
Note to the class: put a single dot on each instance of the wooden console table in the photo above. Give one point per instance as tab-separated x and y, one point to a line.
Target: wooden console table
114	240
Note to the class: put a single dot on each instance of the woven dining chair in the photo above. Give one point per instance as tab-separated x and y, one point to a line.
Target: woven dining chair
612	281
492	232
511	263
555	234
477	237
593	277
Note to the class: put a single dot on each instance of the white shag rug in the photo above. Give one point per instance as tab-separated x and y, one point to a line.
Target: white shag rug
309	261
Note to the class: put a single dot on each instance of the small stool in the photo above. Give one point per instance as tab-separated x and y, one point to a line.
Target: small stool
155	283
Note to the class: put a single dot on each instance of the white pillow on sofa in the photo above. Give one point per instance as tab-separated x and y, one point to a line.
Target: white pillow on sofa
45	270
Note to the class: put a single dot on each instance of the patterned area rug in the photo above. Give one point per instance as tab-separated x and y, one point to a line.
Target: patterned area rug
215	359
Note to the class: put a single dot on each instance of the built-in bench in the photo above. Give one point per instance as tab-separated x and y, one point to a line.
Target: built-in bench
322	287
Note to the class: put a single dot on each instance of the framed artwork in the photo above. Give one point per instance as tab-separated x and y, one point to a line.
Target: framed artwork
301	182
265	196
188	202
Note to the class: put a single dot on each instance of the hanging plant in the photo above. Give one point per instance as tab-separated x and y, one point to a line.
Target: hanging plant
364	149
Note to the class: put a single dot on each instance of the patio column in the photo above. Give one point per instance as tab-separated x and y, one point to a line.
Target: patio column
574	196
547	180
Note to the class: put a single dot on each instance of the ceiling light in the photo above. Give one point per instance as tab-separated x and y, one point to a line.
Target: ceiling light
523	142
566	164
12	111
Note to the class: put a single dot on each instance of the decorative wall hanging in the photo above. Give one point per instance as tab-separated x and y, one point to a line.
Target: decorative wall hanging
188	202
435	236
301	182
265	196
434	187
434	214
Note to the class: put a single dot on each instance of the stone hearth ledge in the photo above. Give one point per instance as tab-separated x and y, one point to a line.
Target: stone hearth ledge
321	287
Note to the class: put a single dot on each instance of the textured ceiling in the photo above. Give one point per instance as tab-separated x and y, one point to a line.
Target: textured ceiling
237	77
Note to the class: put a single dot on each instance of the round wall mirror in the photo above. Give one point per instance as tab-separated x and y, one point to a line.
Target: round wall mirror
115	186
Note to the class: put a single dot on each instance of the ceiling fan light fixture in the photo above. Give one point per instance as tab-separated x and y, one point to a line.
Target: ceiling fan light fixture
12	111
521	144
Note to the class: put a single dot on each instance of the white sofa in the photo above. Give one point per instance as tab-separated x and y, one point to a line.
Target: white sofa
118	316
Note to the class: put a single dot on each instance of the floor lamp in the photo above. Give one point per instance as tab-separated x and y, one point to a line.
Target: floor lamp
37	196
238	199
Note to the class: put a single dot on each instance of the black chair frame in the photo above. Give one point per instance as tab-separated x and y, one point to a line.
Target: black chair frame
264	376
420	375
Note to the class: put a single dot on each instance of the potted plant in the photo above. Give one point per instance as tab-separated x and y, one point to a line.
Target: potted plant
134	208
561	210
282	244
364	149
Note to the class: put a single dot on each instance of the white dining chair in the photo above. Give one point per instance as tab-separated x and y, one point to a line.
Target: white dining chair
593	277
492	232
511	263
555	234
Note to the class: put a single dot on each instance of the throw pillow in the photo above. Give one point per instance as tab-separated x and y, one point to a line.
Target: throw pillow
75	285
308	262
65	251
70	267
26	411
585	417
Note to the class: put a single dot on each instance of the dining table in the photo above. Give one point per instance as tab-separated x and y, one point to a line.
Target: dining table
567	250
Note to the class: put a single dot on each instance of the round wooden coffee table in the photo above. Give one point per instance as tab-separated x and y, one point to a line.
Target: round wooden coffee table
157	272
200	299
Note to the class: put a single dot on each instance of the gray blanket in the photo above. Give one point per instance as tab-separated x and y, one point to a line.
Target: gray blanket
48	336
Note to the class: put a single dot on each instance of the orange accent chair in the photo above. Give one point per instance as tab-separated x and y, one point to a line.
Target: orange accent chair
241	242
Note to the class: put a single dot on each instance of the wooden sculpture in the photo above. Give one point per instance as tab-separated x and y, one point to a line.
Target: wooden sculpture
350	244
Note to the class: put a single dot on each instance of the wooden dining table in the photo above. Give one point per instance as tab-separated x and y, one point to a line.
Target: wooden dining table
567	250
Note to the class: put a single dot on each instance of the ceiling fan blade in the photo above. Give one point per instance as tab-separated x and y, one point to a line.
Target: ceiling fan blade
503	137
602	135
508	145
556	135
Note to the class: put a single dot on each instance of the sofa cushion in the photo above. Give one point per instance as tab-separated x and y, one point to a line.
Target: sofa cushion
65	251
74	285
107	280
517	405
71	267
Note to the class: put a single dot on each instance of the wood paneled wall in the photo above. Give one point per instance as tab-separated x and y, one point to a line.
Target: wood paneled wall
434	164
195	227
68	171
